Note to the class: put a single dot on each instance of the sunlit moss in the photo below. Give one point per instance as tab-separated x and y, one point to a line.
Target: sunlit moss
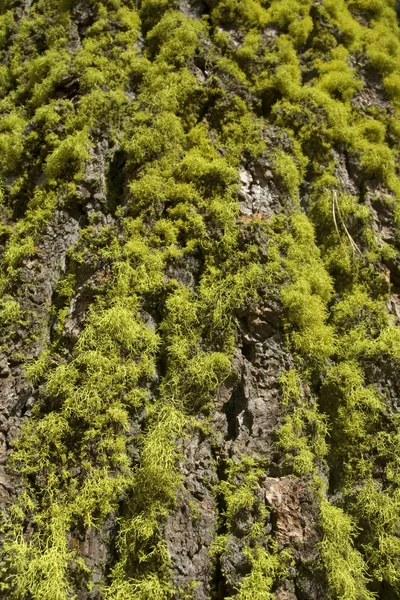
345	566
68	157
249	13
268	562
302	436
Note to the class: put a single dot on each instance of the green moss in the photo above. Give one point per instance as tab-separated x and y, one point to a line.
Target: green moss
11	146
174	39
152	10
344	564
392	86
69	156
337	77
242	496
356	408
288	171
145	589
44	73
21	242
6	26
66	286
302	436
10	312
292	16
306	296
267	566
251	48
380	509
43	572
14	253
373	8
249	13
284	75
35	369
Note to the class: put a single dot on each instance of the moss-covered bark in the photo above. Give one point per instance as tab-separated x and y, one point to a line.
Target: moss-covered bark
200	278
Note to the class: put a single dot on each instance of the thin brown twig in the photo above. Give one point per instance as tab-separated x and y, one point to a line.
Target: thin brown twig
336	207
334	215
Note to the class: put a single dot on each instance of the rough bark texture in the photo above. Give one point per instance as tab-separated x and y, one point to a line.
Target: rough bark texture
200	279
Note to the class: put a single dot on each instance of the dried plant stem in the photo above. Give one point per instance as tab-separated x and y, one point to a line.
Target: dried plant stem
335	207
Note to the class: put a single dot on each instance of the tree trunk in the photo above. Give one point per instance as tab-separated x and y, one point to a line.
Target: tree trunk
199	299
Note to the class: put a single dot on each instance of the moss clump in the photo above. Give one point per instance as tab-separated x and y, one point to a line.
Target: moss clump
70	153
242	496
345	566
303	435
306	296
